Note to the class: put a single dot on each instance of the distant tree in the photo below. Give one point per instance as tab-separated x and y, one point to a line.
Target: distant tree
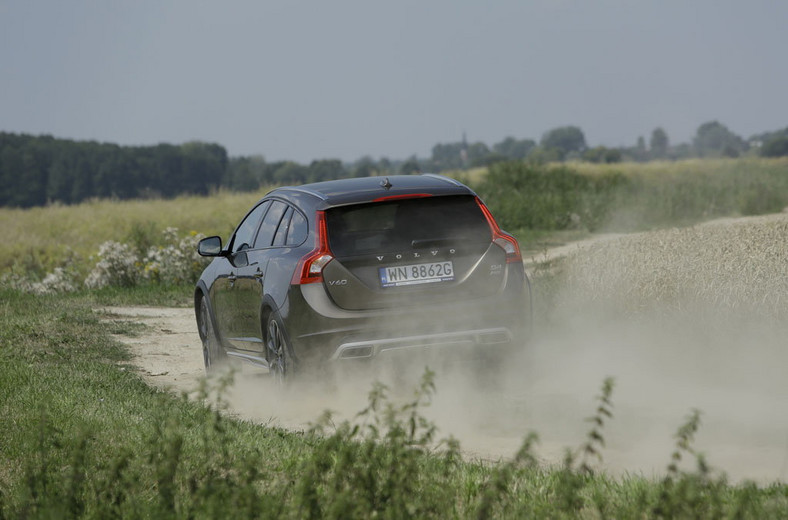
291	173
203	165
245	173
681	151
410	166
512	148
540	155
713	139
34	176
565	139
448	156
659	144
325	170
364	167
455	156
269	173
477	152
601	154
760	139
385	166
775	147
489	159
640	150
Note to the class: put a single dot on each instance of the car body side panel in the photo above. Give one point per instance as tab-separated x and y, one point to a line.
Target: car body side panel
246	296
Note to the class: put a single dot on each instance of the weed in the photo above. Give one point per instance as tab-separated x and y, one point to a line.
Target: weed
376	465
592	448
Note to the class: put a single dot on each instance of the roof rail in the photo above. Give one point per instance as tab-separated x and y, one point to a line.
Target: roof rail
442	178
304	190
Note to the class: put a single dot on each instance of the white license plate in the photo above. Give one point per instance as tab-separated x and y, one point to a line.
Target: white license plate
400	275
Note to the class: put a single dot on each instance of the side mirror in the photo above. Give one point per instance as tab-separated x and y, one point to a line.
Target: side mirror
210	246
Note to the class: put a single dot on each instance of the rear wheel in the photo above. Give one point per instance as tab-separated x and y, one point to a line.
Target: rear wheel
212	352
277	352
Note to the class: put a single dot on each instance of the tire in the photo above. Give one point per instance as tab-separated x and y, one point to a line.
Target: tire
212	352
277	352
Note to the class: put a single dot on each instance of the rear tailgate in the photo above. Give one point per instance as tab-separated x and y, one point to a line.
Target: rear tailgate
411	250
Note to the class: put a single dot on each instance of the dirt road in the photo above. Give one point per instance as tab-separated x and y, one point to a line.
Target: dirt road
735	377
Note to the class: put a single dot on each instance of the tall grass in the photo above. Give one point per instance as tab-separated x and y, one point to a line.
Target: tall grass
632	196
39	239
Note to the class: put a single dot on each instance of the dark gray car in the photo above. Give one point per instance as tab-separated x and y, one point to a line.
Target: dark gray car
359	268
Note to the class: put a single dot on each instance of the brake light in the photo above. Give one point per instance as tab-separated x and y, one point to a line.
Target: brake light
399	197
310	267
503	240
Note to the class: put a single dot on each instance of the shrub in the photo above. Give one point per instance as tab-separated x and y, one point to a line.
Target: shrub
533	196
118	265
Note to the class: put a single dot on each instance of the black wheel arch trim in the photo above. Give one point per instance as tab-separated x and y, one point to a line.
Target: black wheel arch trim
269	309
200	293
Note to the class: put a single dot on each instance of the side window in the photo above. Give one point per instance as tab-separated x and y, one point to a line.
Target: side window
297	232
281	232
244	235
265	236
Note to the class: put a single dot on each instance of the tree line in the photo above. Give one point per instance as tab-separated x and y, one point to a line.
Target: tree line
39	170
36	170
712	139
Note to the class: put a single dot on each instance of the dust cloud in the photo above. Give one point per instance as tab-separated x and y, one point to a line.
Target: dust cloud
681	319
662	372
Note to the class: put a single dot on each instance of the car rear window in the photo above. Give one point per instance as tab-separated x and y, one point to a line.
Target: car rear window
401	225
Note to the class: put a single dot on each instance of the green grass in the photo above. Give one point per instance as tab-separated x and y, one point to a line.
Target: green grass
83	434
84	437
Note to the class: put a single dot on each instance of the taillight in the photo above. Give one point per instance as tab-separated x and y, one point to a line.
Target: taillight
503	240
400	197
310	267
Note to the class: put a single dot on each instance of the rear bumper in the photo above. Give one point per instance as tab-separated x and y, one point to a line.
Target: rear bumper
462	340
320	332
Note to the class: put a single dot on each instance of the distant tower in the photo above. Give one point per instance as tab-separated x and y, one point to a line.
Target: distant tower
464	151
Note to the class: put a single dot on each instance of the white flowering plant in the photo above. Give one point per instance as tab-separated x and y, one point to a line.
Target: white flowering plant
176	262
118	266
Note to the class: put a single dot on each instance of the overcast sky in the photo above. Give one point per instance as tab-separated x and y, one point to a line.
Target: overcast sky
341	79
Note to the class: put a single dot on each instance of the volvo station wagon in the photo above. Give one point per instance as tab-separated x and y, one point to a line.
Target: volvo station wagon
362	269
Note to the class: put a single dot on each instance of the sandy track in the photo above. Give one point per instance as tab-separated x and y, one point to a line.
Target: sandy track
660	376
